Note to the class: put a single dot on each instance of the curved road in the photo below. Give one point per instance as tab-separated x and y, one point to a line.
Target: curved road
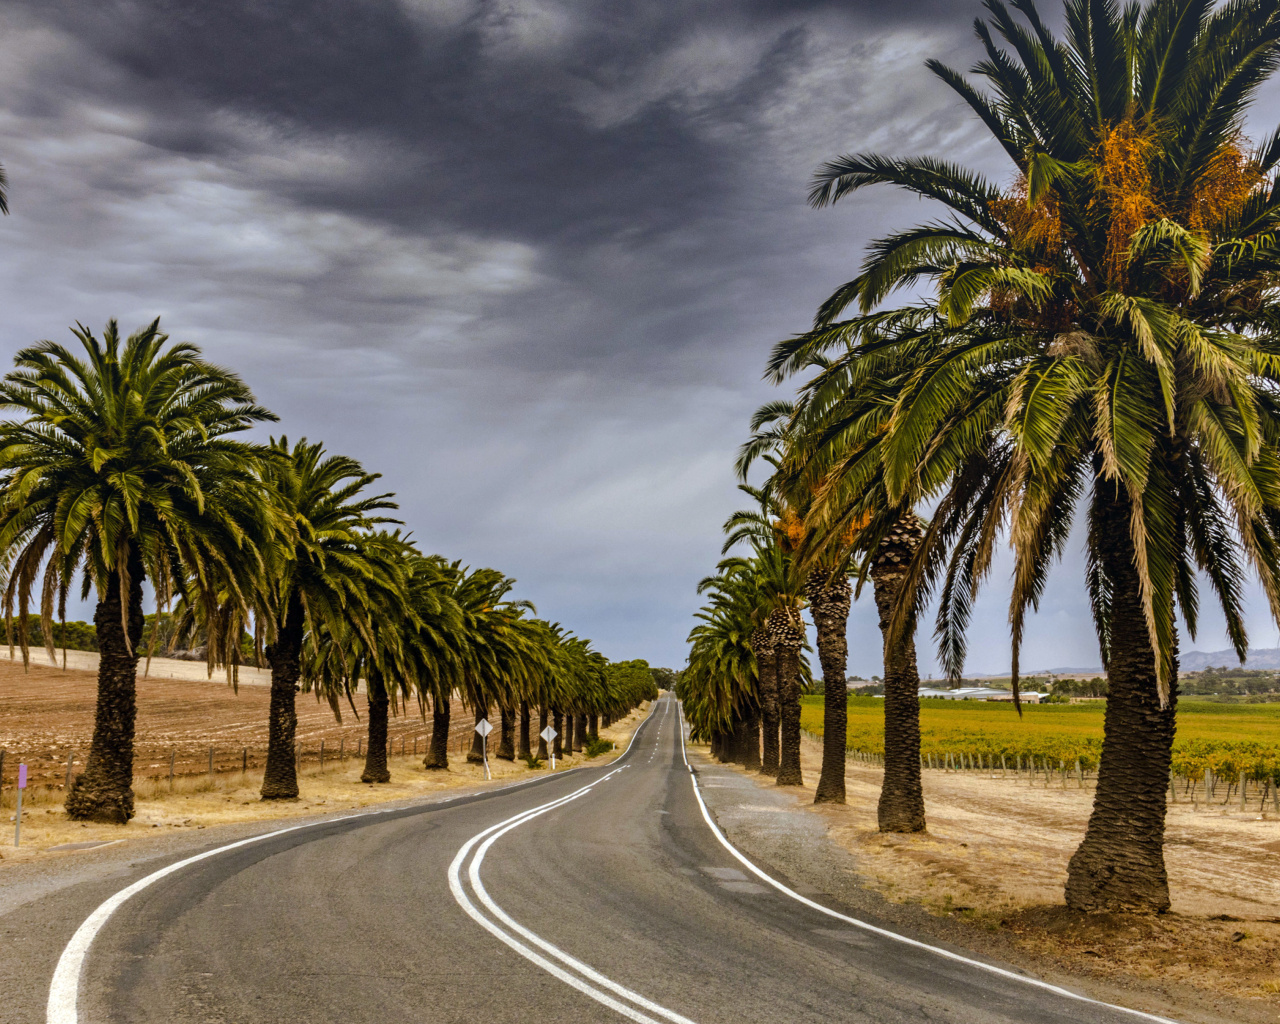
603	894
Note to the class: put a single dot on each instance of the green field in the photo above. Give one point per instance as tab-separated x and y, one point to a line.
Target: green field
1231	739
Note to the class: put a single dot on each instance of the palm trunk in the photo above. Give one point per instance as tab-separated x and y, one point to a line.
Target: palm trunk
788	656
901	807
438	753
579	733
593	728
476	754
104	790
542	727
557	723
280	779
749	745
375	758
767	664
829	598
507	740
727	748
1119	867
525	748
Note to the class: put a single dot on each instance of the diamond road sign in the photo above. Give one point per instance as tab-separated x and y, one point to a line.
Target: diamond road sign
483	727
548	734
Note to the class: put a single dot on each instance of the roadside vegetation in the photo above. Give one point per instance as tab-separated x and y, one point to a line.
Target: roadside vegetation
1092	336
124	463
1231	742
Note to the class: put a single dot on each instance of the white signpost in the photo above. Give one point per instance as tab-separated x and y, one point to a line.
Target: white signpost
549	734
484	728
17	818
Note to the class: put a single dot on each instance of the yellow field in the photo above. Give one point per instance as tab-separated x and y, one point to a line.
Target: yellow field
1229	738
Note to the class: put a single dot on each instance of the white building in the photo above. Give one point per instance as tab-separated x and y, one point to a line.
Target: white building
981	693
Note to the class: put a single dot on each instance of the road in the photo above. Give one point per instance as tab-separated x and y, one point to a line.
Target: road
602	894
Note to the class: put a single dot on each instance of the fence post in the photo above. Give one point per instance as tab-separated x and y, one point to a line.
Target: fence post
173	753
359	745
244	761
1004	770
66	785
1244	788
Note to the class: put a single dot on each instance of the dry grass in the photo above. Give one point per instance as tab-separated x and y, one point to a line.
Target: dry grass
196	802
995	856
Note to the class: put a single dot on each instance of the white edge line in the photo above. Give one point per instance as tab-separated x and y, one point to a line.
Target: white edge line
886	933
584	969
460	896
64	988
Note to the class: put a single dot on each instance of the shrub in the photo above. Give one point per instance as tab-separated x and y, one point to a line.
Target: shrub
595	748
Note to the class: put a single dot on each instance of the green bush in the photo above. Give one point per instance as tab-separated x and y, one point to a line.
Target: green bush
595	748
533	761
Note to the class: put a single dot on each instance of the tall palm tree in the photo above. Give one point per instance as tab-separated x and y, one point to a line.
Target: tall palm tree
829	447
769	575
324	577
784	503
1101	334
119	463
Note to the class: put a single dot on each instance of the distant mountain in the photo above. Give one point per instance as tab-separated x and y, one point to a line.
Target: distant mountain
1259	658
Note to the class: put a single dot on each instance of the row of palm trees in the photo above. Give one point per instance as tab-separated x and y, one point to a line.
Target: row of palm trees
121	464
1098	336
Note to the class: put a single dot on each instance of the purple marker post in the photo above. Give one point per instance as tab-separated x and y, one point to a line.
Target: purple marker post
17	818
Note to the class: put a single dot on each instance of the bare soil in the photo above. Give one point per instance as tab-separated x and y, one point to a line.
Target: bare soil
47	713
995	856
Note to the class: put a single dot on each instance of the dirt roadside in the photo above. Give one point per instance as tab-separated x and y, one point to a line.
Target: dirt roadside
989	874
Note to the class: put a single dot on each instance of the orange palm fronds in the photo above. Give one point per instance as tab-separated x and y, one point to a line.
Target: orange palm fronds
1123	180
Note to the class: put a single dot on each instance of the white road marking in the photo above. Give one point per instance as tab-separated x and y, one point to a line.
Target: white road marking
589	975
64	988
884	932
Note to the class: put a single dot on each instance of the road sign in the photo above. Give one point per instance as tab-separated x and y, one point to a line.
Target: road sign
17	818
549	734
484	728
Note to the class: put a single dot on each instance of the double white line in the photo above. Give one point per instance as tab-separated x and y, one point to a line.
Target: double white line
530	945
533	947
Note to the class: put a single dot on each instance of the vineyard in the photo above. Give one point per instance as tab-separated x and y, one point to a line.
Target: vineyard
1230	742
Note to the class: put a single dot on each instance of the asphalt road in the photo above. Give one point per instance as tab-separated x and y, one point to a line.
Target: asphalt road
602	894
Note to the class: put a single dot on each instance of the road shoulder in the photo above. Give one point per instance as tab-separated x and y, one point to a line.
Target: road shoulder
781	831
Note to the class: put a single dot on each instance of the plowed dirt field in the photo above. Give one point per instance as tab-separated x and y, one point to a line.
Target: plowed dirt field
46	715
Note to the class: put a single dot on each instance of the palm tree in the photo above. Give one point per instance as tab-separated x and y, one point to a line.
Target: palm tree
325	577
122	466
784	503
1101	333
828	455
771	578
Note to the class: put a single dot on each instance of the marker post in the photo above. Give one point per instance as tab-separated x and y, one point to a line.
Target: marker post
484	728
17	818
549	734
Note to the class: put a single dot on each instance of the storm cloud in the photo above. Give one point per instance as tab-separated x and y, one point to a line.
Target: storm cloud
523	257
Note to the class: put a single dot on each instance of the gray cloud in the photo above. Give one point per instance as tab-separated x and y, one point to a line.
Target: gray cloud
525	257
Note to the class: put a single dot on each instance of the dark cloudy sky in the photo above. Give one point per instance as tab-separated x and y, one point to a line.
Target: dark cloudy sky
523	257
